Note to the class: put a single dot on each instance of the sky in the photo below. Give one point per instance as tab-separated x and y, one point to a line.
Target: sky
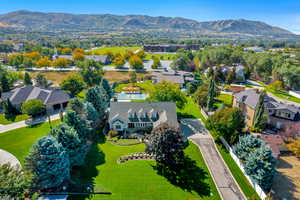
281	13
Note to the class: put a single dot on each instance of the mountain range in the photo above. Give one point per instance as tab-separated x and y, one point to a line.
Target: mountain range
63	22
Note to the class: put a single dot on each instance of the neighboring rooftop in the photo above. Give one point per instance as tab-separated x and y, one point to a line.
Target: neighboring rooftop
249	97
25	93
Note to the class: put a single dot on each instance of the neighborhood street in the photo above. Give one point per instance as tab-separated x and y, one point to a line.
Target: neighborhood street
227	186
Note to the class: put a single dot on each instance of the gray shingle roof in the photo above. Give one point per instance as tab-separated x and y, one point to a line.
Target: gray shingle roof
48	96
249	97
144	112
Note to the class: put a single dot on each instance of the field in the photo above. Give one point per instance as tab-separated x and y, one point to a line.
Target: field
114	50
113	76
225	99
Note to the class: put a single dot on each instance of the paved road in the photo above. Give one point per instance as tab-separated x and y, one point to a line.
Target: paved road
25	123
227	187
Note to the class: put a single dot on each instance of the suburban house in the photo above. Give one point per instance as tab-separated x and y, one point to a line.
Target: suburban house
170	47
102	59
279	115
178	77
131	117
53	99
239	71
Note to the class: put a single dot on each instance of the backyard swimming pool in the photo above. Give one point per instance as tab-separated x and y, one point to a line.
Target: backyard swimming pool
124	96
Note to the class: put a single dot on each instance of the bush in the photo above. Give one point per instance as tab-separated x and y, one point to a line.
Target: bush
33	107
113	133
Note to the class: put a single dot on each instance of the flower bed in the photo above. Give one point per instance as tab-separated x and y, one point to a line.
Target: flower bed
135	156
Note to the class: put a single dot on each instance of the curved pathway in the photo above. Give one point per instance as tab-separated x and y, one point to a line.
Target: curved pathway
6	157
225	182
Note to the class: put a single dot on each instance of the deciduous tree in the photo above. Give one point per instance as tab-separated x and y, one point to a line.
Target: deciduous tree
33	107
73	85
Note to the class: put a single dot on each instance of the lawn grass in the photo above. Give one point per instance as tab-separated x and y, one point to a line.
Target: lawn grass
19	141
146	85
136	179
8	120
114	50
161	57
191	110
225	99
280	94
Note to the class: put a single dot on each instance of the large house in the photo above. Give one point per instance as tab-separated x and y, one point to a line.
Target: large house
178	77
280	115
104	60
170	47
53	99
130	117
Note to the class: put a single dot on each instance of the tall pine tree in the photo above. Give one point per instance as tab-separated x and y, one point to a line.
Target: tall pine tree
69	139
99	98
259	112
27	79
211	95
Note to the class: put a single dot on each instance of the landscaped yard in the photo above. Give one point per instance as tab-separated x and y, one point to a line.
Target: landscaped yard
147	86
19	141
138	179
225	99
280	94
191	110
12	119
114	50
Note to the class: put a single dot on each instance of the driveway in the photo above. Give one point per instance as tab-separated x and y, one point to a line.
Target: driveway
6	157
195	131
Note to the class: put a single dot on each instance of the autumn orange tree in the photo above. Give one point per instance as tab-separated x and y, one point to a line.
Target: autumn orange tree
33	55
127	54
60	62
136	62
66	51
78	56
43	62
294	146
119	61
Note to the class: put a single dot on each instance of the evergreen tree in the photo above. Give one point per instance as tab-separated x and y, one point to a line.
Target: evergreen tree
260	166
80	125
91	113
5	83
27	79
8	108
259	113
49	163
99	98
246	145
231	77
211	95
106	86
77	106
41	80
69	139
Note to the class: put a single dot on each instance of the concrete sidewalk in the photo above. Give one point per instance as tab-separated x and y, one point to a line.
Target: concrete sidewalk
29	122
225	182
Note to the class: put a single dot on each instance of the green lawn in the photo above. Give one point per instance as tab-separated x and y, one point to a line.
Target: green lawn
8	120
161	57
191	110
19	141
137	179
147	86
114	50
225	99
280	94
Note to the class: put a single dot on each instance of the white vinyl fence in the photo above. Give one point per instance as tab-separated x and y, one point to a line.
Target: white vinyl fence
257	188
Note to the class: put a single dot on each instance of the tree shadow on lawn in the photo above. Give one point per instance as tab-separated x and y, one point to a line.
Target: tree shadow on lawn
185	115
83	177
187	175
